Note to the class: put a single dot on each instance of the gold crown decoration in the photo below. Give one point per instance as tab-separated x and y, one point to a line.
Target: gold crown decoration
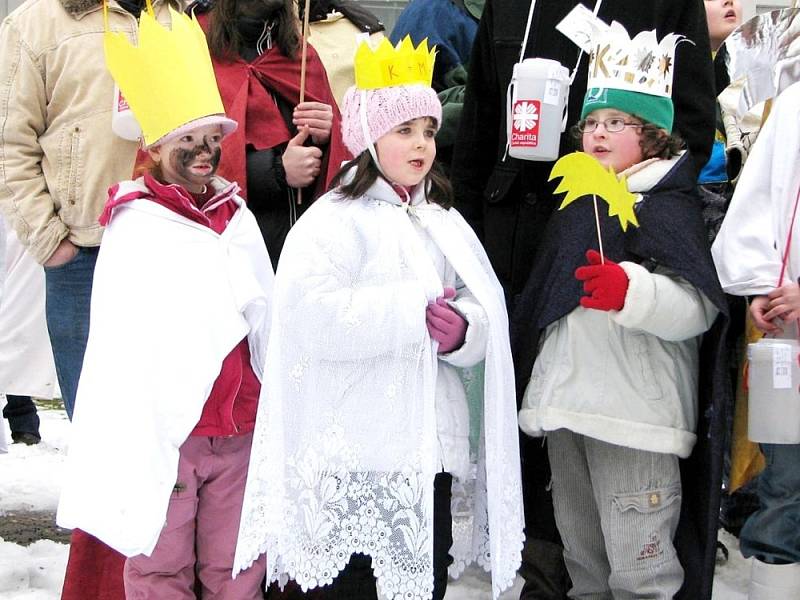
167	79
389	65
642	64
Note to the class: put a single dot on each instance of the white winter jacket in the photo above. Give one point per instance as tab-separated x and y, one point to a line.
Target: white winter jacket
625	377
748	251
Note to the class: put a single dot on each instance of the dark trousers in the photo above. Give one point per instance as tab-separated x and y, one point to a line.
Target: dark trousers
543	567
356	581
21	414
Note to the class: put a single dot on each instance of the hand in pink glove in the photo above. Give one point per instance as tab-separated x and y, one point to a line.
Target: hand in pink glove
445	325
606	283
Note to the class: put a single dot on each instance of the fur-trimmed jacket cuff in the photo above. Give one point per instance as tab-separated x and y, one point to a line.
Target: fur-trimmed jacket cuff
664	305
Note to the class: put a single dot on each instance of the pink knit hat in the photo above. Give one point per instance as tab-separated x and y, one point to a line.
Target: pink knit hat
228	127
387	107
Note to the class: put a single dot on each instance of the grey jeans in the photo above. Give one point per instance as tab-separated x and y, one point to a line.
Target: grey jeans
617	510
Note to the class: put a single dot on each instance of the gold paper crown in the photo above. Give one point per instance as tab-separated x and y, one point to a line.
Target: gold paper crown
388	65
642	64
168	79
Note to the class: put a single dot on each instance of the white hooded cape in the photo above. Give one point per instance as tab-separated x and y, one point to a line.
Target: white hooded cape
171	299
344	452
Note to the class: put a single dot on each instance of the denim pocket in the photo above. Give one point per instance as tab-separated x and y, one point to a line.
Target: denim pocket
69	263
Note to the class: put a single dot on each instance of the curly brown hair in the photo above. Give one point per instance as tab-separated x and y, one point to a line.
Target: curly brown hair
654	141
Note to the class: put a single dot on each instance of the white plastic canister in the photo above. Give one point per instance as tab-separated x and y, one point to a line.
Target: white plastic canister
123	123
536	105
774	398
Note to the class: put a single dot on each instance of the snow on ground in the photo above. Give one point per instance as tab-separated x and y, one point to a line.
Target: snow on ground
32	474
31	479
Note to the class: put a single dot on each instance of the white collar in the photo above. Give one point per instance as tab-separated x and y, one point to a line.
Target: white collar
643	176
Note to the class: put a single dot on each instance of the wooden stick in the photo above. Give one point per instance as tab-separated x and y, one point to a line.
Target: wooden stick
303	59
304	53
602	254
597	224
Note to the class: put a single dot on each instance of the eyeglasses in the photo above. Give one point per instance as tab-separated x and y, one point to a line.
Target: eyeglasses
612	125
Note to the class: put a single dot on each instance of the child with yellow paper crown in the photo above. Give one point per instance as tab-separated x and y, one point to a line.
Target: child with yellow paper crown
179	323
607	337
382	295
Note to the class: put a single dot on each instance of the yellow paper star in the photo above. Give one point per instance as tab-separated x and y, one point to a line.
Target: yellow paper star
581	175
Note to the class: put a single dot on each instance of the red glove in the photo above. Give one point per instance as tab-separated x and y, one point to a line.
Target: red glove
445	325
606	284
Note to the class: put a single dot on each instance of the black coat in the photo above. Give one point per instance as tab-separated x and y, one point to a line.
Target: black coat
508	203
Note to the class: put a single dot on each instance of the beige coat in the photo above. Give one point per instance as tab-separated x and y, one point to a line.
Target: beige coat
58	155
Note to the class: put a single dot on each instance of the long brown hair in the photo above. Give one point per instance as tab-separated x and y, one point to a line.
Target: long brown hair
439	189
226	42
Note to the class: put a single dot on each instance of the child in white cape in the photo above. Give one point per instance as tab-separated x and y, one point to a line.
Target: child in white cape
382	293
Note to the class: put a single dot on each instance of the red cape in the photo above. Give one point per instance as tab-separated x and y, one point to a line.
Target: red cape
93	571
244	89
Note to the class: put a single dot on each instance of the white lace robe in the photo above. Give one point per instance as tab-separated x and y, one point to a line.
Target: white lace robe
345	448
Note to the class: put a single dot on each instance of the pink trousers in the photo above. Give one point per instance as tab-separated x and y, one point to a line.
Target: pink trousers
194	554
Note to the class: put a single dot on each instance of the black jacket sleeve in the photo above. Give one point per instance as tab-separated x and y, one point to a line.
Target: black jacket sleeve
479	130
693	96
265	173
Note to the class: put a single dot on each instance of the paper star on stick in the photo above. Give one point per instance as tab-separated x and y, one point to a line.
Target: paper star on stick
581	175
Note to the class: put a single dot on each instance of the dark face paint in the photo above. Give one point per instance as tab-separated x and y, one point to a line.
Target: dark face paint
181	160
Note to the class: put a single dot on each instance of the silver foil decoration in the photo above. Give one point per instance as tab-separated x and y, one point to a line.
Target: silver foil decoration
763	56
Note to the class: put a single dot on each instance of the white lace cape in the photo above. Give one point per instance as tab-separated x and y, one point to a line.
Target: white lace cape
344	456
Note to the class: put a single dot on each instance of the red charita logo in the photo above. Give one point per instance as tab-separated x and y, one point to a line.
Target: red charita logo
525	123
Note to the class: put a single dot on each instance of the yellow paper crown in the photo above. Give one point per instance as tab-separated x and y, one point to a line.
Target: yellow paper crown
168	79
388	65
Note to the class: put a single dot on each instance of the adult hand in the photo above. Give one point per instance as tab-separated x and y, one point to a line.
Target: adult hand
301	163
759	306
784	303
606	283
318	117
445	325
63	253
